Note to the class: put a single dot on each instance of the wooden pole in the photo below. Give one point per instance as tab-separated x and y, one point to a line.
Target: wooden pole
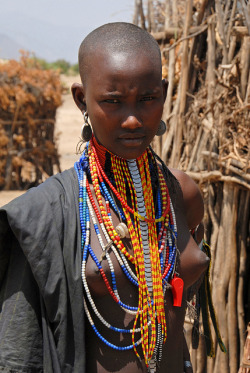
242	239
142	17
245	62
232	288
184	86
221	31
136	13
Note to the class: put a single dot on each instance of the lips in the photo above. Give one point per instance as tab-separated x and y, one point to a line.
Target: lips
131	140
132	136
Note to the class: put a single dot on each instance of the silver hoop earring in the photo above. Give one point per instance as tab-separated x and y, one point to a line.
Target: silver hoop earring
161	129
86	131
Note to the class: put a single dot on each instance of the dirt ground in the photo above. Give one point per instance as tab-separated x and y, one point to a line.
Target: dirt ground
68	127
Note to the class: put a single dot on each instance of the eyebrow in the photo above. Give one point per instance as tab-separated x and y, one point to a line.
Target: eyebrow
112	94
151	91
145	93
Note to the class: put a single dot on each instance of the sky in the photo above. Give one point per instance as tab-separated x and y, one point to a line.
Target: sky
54	29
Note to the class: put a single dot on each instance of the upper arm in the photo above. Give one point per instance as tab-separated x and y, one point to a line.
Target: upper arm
193	202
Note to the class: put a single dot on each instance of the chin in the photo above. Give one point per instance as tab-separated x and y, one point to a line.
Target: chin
130	154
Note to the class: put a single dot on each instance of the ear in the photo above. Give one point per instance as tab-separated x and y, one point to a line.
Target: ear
164	88
78	96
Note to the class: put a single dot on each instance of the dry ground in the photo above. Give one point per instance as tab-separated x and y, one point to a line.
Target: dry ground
68	127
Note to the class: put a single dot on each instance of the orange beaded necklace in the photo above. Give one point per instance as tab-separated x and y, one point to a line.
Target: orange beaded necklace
151	302
149	220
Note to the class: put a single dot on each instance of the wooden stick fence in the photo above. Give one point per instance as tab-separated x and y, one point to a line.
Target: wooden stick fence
206	55
29	97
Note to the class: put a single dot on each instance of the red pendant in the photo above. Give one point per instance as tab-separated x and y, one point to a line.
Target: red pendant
177	290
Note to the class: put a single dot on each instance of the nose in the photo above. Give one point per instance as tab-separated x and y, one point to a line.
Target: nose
132	122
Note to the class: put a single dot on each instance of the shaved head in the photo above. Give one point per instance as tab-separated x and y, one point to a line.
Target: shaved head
113	38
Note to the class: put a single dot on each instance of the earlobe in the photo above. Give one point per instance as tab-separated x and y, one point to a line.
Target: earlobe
78	96
164	88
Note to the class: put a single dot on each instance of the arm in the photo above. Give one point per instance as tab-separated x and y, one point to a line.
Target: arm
194	261
193	202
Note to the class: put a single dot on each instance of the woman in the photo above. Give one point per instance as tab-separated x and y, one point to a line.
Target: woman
97	260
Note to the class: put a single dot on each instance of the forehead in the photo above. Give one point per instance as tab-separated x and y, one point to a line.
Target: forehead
137	65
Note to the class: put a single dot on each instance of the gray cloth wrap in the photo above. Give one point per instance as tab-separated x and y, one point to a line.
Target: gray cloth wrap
41	295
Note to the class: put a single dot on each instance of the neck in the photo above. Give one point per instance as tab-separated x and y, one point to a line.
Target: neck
102	151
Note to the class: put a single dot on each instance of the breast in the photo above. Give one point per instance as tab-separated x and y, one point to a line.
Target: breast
94	278
191	263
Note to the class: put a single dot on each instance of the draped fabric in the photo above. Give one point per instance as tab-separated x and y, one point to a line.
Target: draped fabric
41	295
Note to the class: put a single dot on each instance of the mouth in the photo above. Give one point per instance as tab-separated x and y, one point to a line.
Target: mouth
131	135
132	139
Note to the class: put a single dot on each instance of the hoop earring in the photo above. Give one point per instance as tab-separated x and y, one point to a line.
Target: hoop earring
161	129
86	131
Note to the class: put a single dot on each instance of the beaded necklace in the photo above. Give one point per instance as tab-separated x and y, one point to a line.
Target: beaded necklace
149	220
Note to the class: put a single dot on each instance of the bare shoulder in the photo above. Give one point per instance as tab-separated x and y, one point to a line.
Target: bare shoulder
193	202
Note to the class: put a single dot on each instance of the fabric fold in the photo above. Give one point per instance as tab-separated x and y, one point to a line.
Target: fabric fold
40	233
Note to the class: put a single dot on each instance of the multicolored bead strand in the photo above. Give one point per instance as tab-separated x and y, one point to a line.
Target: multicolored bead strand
144	231
145	236
150	224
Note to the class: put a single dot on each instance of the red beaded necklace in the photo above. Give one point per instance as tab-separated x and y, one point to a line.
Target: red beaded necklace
124	204
147	217
150	306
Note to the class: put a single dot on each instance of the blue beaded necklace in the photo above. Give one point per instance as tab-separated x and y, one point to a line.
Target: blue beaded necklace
167	247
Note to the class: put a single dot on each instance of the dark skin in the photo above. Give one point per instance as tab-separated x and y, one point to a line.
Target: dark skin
124	94
124	105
